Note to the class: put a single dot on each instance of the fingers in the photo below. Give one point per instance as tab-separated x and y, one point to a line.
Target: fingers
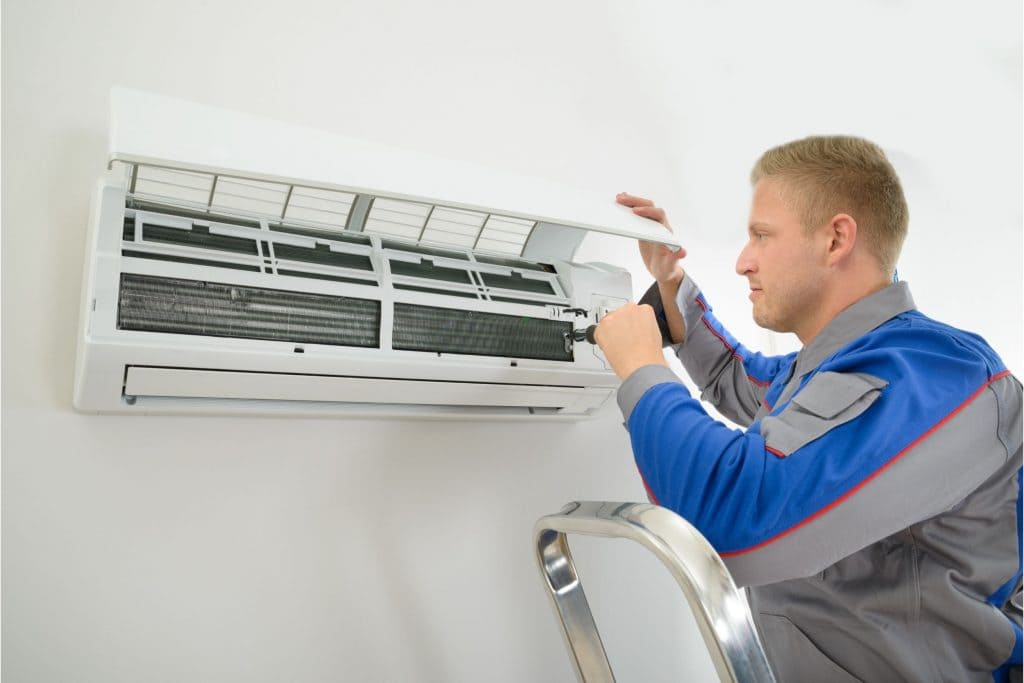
630	339
655	213
643	207
650	248
627	310
629	200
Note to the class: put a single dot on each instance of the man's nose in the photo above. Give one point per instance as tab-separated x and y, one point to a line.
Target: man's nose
744	263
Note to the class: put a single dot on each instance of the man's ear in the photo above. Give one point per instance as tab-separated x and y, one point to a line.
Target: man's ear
842	236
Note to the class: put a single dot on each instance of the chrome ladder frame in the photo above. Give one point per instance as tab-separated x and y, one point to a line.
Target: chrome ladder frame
720	610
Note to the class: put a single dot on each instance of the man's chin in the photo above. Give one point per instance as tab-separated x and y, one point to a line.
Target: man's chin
767	323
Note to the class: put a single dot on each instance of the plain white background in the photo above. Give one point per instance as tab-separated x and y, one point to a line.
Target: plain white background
213	549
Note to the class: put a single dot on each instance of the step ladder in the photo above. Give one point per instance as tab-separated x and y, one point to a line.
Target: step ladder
721	612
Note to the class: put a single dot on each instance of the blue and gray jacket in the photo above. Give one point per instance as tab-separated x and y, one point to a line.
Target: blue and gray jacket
872	505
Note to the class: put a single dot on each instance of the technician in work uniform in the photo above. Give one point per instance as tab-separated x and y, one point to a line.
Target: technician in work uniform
873	503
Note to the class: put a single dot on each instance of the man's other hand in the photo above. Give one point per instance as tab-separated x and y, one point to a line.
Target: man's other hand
630	339
662	263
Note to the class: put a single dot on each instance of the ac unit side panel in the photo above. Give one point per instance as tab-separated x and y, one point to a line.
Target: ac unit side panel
99	288
99	379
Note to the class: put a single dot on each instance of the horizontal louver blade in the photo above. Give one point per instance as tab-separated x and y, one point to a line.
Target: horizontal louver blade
160	304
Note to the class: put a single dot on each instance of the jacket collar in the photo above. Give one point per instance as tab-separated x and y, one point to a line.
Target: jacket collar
853	322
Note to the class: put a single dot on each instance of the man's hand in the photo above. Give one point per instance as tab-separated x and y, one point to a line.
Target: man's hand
630	339
661	262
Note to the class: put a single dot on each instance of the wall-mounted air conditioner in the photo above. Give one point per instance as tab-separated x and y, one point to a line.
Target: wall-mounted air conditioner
244	266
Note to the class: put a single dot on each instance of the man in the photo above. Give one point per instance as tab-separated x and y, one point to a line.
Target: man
872	505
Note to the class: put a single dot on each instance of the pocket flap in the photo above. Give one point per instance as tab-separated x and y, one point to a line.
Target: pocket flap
828	400
830	393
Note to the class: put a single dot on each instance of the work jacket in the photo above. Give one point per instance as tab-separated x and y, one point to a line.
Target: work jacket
871	504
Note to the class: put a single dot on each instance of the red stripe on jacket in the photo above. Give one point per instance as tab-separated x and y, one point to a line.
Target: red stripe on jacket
848	494
729	346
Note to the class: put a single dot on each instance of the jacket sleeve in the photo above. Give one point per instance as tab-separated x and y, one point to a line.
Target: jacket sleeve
730	376
869	445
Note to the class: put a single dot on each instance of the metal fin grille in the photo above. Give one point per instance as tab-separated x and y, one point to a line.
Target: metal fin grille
162	304
445	330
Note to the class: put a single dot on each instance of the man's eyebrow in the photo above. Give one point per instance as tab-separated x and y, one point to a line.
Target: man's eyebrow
757	225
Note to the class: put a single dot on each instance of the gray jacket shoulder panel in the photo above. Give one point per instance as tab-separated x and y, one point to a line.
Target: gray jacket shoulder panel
716	365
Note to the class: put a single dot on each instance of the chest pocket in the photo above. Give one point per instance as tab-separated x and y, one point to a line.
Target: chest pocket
829	400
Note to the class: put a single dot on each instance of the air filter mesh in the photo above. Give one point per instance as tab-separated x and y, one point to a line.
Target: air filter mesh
446	330
162	304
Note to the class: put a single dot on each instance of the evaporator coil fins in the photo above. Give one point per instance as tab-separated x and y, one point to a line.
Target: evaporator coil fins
161	304
446	330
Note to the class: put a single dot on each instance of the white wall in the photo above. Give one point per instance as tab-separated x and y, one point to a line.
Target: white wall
262	550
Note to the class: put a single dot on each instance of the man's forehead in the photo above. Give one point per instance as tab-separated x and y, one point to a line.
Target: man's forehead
769	188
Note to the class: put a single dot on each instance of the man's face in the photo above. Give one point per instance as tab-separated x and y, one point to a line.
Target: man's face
784	265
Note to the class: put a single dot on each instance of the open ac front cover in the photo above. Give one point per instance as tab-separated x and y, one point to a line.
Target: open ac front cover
225	291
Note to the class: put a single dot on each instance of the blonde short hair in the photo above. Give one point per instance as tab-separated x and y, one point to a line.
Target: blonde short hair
827	175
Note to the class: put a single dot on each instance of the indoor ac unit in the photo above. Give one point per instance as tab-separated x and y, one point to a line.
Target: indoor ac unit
244	266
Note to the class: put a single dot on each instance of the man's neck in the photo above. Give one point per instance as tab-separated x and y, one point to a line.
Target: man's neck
837	300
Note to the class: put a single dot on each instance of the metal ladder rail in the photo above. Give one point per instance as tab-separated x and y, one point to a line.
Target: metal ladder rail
721	612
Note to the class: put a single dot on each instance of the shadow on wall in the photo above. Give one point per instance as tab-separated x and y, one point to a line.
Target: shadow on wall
455	534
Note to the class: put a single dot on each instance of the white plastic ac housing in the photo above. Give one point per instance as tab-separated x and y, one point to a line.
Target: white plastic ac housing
237	265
